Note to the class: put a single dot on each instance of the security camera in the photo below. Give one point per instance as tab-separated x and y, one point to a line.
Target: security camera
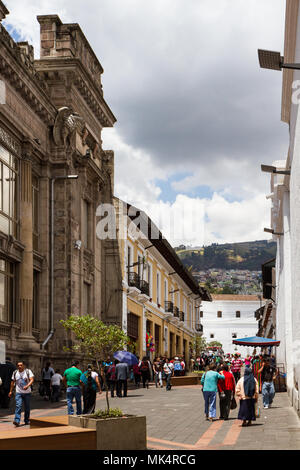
78	244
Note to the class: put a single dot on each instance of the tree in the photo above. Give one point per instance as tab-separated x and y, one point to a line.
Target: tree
96	340
199	345
214	344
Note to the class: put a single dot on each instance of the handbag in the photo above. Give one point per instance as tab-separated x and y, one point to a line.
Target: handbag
233	404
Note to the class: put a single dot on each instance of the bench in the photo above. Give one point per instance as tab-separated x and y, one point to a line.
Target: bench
51	436
185	380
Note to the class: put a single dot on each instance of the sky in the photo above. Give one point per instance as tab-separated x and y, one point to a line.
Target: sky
196	116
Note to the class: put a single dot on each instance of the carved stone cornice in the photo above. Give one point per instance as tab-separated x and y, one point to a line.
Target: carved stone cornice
72	70
17	68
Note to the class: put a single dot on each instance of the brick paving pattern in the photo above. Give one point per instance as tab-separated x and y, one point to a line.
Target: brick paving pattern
176	421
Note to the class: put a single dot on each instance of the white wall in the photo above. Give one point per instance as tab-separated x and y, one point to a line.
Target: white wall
224	327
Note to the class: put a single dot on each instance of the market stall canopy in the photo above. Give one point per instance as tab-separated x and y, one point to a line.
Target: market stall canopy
256	341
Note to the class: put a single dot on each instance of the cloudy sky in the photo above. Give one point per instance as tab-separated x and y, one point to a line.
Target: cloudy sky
196	116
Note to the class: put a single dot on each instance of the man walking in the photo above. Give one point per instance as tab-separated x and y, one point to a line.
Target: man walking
22	379
268	375
71	379
236	366
122	374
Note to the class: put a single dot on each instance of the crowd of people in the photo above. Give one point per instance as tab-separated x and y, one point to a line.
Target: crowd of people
224	377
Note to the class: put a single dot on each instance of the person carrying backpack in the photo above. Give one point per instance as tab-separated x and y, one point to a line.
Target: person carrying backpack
111	378
177	367
90	382
22	379
145	371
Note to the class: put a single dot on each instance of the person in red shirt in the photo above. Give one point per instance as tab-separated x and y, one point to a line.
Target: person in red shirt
226	390
236	365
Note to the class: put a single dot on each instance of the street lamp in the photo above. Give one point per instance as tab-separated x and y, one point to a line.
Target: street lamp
270	230
51	332
273	169
274	61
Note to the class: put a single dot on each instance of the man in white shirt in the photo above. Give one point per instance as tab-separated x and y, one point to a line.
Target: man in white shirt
22	379
168	371
55	385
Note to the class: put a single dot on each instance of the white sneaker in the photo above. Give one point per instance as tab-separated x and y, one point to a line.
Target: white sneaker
266	407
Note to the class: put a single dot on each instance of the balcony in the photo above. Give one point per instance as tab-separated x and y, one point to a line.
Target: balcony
134	280
169	306
181	316
199	327
176	312
144	286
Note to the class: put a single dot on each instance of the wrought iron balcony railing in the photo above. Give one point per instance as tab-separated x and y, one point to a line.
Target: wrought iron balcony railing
134	280
199	327
169	306
145	288
181	316
176	312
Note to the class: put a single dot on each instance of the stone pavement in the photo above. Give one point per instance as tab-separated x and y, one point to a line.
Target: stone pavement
175	421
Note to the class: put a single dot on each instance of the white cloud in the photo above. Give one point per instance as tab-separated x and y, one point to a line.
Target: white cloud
183	80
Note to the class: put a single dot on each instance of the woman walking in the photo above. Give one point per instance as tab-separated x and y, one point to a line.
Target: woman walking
209	382
247	392
226	391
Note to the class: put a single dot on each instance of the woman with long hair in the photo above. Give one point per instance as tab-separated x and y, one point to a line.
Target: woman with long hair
247	392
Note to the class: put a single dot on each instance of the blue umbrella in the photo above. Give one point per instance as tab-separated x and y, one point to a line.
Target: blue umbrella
126	356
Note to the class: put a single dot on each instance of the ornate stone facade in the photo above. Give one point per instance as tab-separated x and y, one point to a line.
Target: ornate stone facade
50	127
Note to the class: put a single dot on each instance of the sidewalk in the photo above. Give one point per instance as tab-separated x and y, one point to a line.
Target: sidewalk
175	421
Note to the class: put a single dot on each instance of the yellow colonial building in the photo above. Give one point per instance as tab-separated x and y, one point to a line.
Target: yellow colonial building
161	299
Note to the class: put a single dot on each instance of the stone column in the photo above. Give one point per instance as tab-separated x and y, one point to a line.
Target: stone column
26	267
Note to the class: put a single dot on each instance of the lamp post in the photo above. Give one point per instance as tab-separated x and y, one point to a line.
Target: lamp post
51	331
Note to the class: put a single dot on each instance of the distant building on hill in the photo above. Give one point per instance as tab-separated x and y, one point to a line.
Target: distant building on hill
229	317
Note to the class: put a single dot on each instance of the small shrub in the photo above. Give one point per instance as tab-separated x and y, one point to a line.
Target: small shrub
111	413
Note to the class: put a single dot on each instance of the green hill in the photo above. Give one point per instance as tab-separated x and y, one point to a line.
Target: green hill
244	255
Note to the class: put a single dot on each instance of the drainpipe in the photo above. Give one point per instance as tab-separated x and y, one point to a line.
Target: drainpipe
52	330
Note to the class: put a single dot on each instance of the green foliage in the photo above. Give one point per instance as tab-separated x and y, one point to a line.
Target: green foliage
112	413
214	343
199	345
245	255
96	340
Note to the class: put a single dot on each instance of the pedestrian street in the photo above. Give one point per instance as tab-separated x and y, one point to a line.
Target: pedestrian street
176	421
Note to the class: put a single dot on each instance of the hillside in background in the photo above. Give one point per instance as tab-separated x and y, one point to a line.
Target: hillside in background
239	256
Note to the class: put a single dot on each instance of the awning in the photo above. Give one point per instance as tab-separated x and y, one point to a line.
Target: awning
256	341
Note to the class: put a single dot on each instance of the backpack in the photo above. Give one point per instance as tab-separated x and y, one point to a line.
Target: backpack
177	366
144	366
27	375
89	377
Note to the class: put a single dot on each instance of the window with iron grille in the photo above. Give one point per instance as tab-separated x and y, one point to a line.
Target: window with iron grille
132	325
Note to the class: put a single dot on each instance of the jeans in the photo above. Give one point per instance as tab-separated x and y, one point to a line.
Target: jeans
55	393
268	393
121	384
225	404
74	392
157	378
20	399
168	381
210	404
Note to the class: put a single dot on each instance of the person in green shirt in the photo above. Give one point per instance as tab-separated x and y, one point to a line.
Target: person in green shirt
71	379
209	382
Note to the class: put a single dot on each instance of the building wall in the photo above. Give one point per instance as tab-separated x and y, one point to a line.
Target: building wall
54	112
228	325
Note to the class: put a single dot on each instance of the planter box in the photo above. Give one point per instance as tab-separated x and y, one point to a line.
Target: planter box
126	433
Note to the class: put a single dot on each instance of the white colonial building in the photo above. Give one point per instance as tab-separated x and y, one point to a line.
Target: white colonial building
285	211
230	317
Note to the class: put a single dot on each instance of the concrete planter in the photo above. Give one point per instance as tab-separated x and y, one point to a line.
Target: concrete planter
125	433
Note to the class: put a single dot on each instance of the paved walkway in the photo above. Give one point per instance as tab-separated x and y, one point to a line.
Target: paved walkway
175	421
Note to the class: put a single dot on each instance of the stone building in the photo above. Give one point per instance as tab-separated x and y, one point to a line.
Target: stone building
51	262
